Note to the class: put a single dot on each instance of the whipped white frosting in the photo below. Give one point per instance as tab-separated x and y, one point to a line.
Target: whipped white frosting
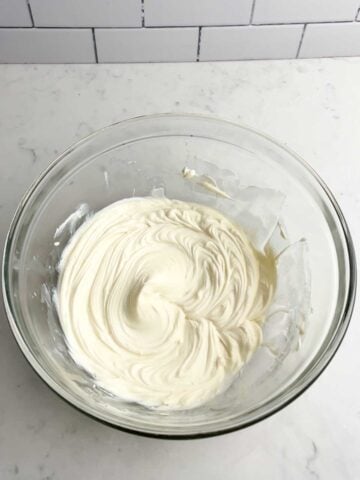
162	300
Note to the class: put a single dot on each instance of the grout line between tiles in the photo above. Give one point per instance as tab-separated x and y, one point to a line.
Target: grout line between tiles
301	41
68	28
252	12
143	13
278	24
30	13
49	27
198	45
313	22
95	47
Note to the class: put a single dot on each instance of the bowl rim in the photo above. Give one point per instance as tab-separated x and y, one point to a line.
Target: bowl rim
323	362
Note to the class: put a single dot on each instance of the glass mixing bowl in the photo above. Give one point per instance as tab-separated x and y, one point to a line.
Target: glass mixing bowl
128	159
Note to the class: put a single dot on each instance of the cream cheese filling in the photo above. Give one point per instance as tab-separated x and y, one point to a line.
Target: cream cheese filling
163	301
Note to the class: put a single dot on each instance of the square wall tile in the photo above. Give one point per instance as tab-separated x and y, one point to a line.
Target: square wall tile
147	45
331	40
31	45
304	11
14	13
169	13
243	43
86	13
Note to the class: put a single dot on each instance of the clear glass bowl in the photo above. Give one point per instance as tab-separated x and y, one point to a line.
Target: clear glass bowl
127	159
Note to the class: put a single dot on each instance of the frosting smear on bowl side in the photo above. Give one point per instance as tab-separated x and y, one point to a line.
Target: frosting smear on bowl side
163	301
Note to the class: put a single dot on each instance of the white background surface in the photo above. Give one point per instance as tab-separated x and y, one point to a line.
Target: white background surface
311	105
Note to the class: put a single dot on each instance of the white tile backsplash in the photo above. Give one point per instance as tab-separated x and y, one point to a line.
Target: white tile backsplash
176	30
14	13
303	11
331	40
86	13
147	45
251	42
197	12
31	45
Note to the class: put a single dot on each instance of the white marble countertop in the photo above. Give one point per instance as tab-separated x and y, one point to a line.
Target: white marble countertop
311	105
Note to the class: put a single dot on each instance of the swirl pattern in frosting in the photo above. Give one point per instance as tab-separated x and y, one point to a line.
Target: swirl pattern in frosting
163	301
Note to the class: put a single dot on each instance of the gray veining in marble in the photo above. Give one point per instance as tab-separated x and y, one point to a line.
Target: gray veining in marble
311	105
